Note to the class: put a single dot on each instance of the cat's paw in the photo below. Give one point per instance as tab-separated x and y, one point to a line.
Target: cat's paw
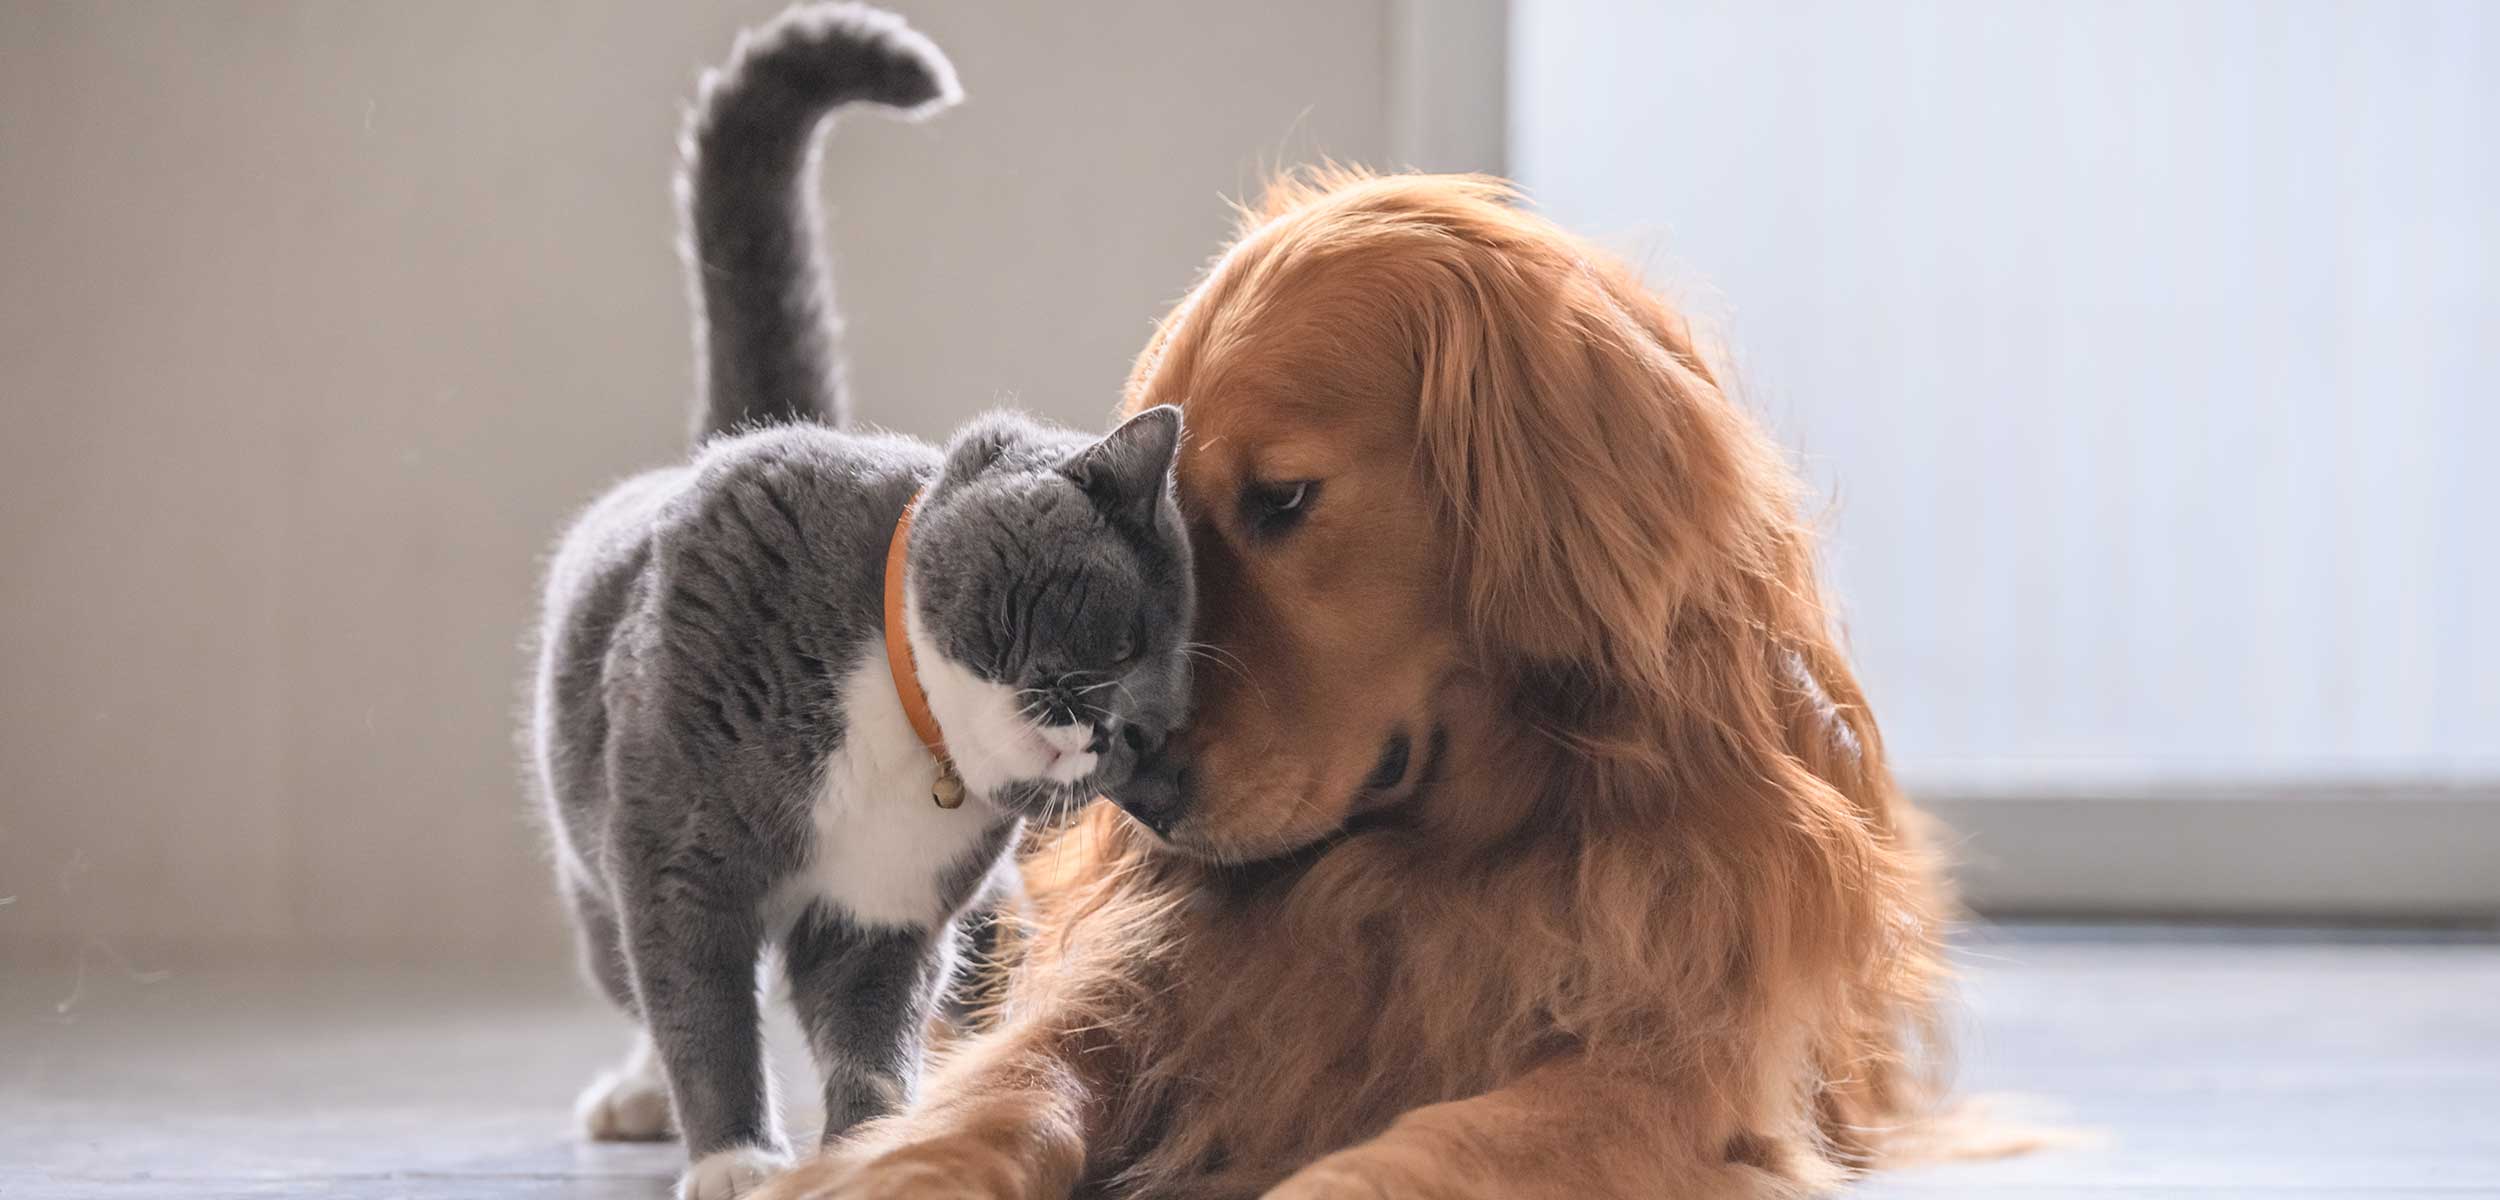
629	1104
729	1174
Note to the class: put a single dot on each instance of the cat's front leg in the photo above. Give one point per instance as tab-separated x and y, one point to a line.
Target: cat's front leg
864	996
693	960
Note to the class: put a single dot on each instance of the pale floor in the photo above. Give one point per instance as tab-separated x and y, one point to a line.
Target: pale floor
2210	1066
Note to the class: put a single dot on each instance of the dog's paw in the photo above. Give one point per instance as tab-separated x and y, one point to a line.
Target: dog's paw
1325	1181
628	1104
871	1183
729	1174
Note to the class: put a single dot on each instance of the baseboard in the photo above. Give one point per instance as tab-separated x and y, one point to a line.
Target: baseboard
2427	854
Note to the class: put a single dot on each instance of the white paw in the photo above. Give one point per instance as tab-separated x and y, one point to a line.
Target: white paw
628	1104
729	1174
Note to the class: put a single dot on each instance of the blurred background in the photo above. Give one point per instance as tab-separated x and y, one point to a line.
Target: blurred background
2141	355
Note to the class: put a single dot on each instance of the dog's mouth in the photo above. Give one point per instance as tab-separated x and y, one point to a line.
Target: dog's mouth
1387	800
1399	778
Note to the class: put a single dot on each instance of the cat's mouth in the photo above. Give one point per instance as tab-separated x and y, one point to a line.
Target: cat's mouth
1064	754
1044	802
1051	756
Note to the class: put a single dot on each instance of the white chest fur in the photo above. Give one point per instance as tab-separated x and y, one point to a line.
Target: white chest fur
883	851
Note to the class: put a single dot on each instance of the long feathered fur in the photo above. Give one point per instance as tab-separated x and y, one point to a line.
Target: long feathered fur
767	338
1662	927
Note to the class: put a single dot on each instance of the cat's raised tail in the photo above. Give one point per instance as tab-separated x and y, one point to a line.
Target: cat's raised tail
766	332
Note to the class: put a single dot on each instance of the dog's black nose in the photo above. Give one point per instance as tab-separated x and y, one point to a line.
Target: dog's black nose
1156	791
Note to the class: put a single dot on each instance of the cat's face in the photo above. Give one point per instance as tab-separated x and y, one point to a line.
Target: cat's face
1050	575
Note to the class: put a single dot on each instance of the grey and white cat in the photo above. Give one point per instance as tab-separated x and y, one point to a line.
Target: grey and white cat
725	760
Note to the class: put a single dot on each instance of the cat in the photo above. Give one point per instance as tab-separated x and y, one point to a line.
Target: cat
722	729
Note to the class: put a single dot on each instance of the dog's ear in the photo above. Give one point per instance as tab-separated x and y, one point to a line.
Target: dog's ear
1591	476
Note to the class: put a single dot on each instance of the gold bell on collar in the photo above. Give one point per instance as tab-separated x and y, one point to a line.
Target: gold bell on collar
948	791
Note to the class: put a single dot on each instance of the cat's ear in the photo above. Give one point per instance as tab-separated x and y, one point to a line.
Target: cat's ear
980	444
1126	471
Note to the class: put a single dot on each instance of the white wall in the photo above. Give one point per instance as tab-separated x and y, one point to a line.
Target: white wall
2145	352
316	318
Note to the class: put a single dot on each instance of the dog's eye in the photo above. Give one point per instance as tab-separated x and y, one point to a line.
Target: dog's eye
1273	508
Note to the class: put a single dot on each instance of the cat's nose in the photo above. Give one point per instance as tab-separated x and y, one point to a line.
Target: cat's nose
1157	792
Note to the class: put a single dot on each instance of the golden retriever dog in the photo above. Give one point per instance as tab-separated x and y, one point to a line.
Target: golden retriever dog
1531	837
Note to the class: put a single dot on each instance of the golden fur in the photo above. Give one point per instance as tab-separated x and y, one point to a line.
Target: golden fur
1656	922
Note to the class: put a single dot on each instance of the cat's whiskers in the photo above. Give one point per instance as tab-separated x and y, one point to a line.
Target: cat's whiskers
1210	651
1228	660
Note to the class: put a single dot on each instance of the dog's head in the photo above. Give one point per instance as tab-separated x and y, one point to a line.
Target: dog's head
1450	473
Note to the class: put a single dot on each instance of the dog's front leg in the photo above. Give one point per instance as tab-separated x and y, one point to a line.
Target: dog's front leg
1565	1131
1007	1119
